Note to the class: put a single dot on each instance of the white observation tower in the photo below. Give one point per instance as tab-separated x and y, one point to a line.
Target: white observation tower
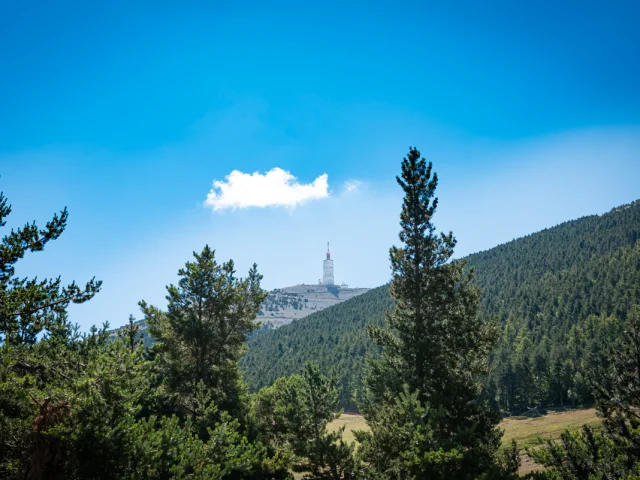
327	269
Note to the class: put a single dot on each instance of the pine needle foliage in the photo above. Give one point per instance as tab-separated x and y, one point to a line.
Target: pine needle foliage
29	307
422	394
613	451
292	416
202	335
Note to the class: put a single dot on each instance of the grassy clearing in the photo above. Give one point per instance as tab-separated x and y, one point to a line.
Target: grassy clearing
523	430
351	422
527	431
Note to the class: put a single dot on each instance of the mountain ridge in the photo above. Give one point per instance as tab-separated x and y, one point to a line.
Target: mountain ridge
283	305
541	286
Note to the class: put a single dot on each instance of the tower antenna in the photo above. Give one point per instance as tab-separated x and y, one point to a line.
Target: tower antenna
327	269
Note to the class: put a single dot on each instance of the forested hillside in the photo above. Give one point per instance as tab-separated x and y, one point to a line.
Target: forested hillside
334	338
557	294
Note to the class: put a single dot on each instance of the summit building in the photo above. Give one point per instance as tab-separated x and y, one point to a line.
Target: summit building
327	269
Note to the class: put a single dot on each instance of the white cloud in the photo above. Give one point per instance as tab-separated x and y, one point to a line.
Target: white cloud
275	188
351	186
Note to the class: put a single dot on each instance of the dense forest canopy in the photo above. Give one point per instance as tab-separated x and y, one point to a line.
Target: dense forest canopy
555	293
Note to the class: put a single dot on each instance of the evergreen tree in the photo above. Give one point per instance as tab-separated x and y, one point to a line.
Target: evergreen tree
434	352
81	407
30	306
130	334
202	335
292	416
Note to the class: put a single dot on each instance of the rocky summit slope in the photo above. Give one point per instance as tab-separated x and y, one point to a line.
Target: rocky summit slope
283	305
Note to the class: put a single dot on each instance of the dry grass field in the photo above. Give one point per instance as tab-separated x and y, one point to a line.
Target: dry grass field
524	430
351	422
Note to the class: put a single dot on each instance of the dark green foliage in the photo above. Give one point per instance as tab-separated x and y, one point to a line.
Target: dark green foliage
334	338
74	408
130	334
614	451
421	395
64	406
402	442
553	293
29	307
167	450
202	335
88	407
292	416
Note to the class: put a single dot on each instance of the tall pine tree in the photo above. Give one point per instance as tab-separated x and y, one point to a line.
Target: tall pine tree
421	397
202	335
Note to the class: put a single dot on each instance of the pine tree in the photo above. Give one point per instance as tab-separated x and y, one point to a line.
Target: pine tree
30	306
292	416
202	335
434	351
130	334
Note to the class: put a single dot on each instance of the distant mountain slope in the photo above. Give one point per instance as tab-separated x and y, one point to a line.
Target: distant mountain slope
334	338
283	305
525	276
545	288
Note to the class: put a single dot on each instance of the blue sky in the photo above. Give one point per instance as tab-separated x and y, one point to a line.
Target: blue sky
128	114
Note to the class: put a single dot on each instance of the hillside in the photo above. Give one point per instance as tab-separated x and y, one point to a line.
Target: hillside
557	294
334	338
283	305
